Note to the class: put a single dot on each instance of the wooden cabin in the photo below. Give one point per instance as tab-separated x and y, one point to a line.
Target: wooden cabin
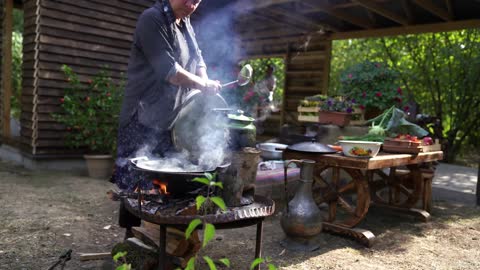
89	34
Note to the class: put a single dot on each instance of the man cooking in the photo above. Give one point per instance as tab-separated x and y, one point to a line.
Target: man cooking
165	64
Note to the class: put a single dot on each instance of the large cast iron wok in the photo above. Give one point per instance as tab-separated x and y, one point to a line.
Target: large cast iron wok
178	182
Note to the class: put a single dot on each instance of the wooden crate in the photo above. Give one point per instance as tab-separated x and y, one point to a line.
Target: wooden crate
308	118
301	109
361	117
408	147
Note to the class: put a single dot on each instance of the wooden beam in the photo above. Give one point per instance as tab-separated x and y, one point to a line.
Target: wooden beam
293	17
329	9
429	6
371	16
277	21
406	30
353	4
7	67
247	5
407	7
382	11
450	10
273	33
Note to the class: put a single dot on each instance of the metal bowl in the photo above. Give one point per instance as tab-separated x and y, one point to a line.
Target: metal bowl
271	151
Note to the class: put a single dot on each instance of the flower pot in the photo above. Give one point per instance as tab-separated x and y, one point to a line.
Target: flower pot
334	118
99	166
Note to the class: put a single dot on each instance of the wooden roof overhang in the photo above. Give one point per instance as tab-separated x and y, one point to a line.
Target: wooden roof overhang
343	19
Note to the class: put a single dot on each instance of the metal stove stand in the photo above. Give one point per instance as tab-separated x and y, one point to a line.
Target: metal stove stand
235	217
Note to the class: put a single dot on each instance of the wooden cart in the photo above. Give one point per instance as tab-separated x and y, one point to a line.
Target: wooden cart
355	183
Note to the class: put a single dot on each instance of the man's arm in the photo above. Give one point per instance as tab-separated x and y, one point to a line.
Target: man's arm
202	72
184	78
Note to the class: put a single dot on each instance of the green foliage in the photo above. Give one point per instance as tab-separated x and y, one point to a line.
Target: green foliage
260	66
372	85
248	97
259	261
439	71
225	262
210	263
121	257
191	227
190	264
90	112
219	202
200	200
17	59
208	234
256	262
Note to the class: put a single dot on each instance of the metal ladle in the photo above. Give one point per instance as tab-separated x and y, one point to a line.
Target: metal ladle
243	77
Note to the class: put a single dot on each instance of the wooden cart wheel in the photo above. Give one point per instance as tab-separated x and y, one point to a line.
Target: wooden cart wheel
401	191
346	193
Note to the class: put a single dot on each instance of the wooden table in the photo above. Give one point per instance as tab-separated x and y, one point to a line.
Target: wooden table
357	182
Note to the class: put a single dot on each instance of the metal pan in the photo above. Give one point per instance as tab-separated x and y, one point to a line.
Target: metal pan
178	182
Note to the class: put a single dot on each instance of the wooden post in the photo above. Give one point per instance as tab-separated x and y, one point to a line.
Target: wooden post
478	184
7	68
326	67
286	63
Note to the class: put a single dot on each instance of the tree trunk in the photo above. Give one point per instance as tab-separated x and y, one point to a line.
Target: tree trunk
239	180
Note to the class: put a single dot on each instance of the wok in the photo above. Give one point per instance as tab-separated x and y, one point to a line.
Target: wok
178	182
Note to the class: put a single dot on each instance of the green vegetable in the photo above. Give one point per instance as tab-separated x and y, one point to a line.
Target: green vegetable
393	122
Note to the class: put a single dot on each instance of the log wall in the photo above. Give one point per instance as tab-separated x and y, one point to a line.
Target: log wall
85	35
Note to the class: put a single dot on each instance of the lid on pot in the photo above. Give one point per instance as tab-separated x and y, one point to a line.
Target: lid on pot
311	147
240	121
239	116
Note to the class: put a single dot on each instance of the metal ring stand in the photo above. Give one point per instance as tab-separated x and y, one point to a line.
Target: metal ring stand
235	217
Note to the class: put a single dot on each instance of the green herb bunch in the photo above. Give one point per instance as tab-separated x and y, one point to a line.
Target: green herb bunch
90	111
372	85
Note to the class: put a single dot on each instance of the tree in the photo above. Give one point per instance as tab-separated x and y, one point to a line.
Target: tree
439	71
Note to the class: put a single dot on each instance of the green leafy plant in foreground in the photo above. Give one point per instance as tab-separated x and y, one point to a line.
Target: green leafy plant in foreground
121	257
209	229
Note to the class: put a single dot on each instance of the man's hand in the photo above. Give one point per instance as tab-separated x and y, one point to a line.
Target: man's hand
211	87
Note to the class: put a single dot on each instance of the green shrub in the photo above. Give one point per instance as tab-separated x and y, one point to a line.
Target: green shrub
90	112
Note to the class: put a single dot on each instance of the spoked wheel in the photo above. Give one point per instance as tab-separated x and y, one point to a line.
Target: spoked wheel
396	189
346	193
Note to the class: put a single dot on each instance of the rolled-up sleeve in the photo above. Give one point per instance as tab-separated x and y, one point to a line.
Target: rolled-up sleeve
152	37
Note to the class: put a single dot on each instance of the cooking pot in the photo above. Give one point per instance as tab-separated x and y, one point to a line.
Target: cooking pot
178	181
271	151
242	130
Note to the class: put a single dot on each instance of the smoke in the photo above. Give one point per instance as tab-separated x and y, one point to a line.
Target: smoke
200	136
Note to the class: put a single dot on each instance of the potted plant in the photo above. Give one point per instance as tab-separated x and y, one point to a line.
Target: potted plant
90	116
374	86
336	111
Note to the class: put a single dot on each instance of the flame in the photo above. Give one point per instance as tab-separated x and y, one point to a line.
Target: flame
162	187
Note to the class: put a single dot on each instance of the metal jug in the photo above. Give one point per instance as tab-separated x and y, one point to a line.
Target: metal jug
302	220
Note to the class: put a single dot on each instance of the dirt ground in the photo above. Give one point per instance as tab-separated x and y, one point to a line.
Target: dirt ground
43	214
